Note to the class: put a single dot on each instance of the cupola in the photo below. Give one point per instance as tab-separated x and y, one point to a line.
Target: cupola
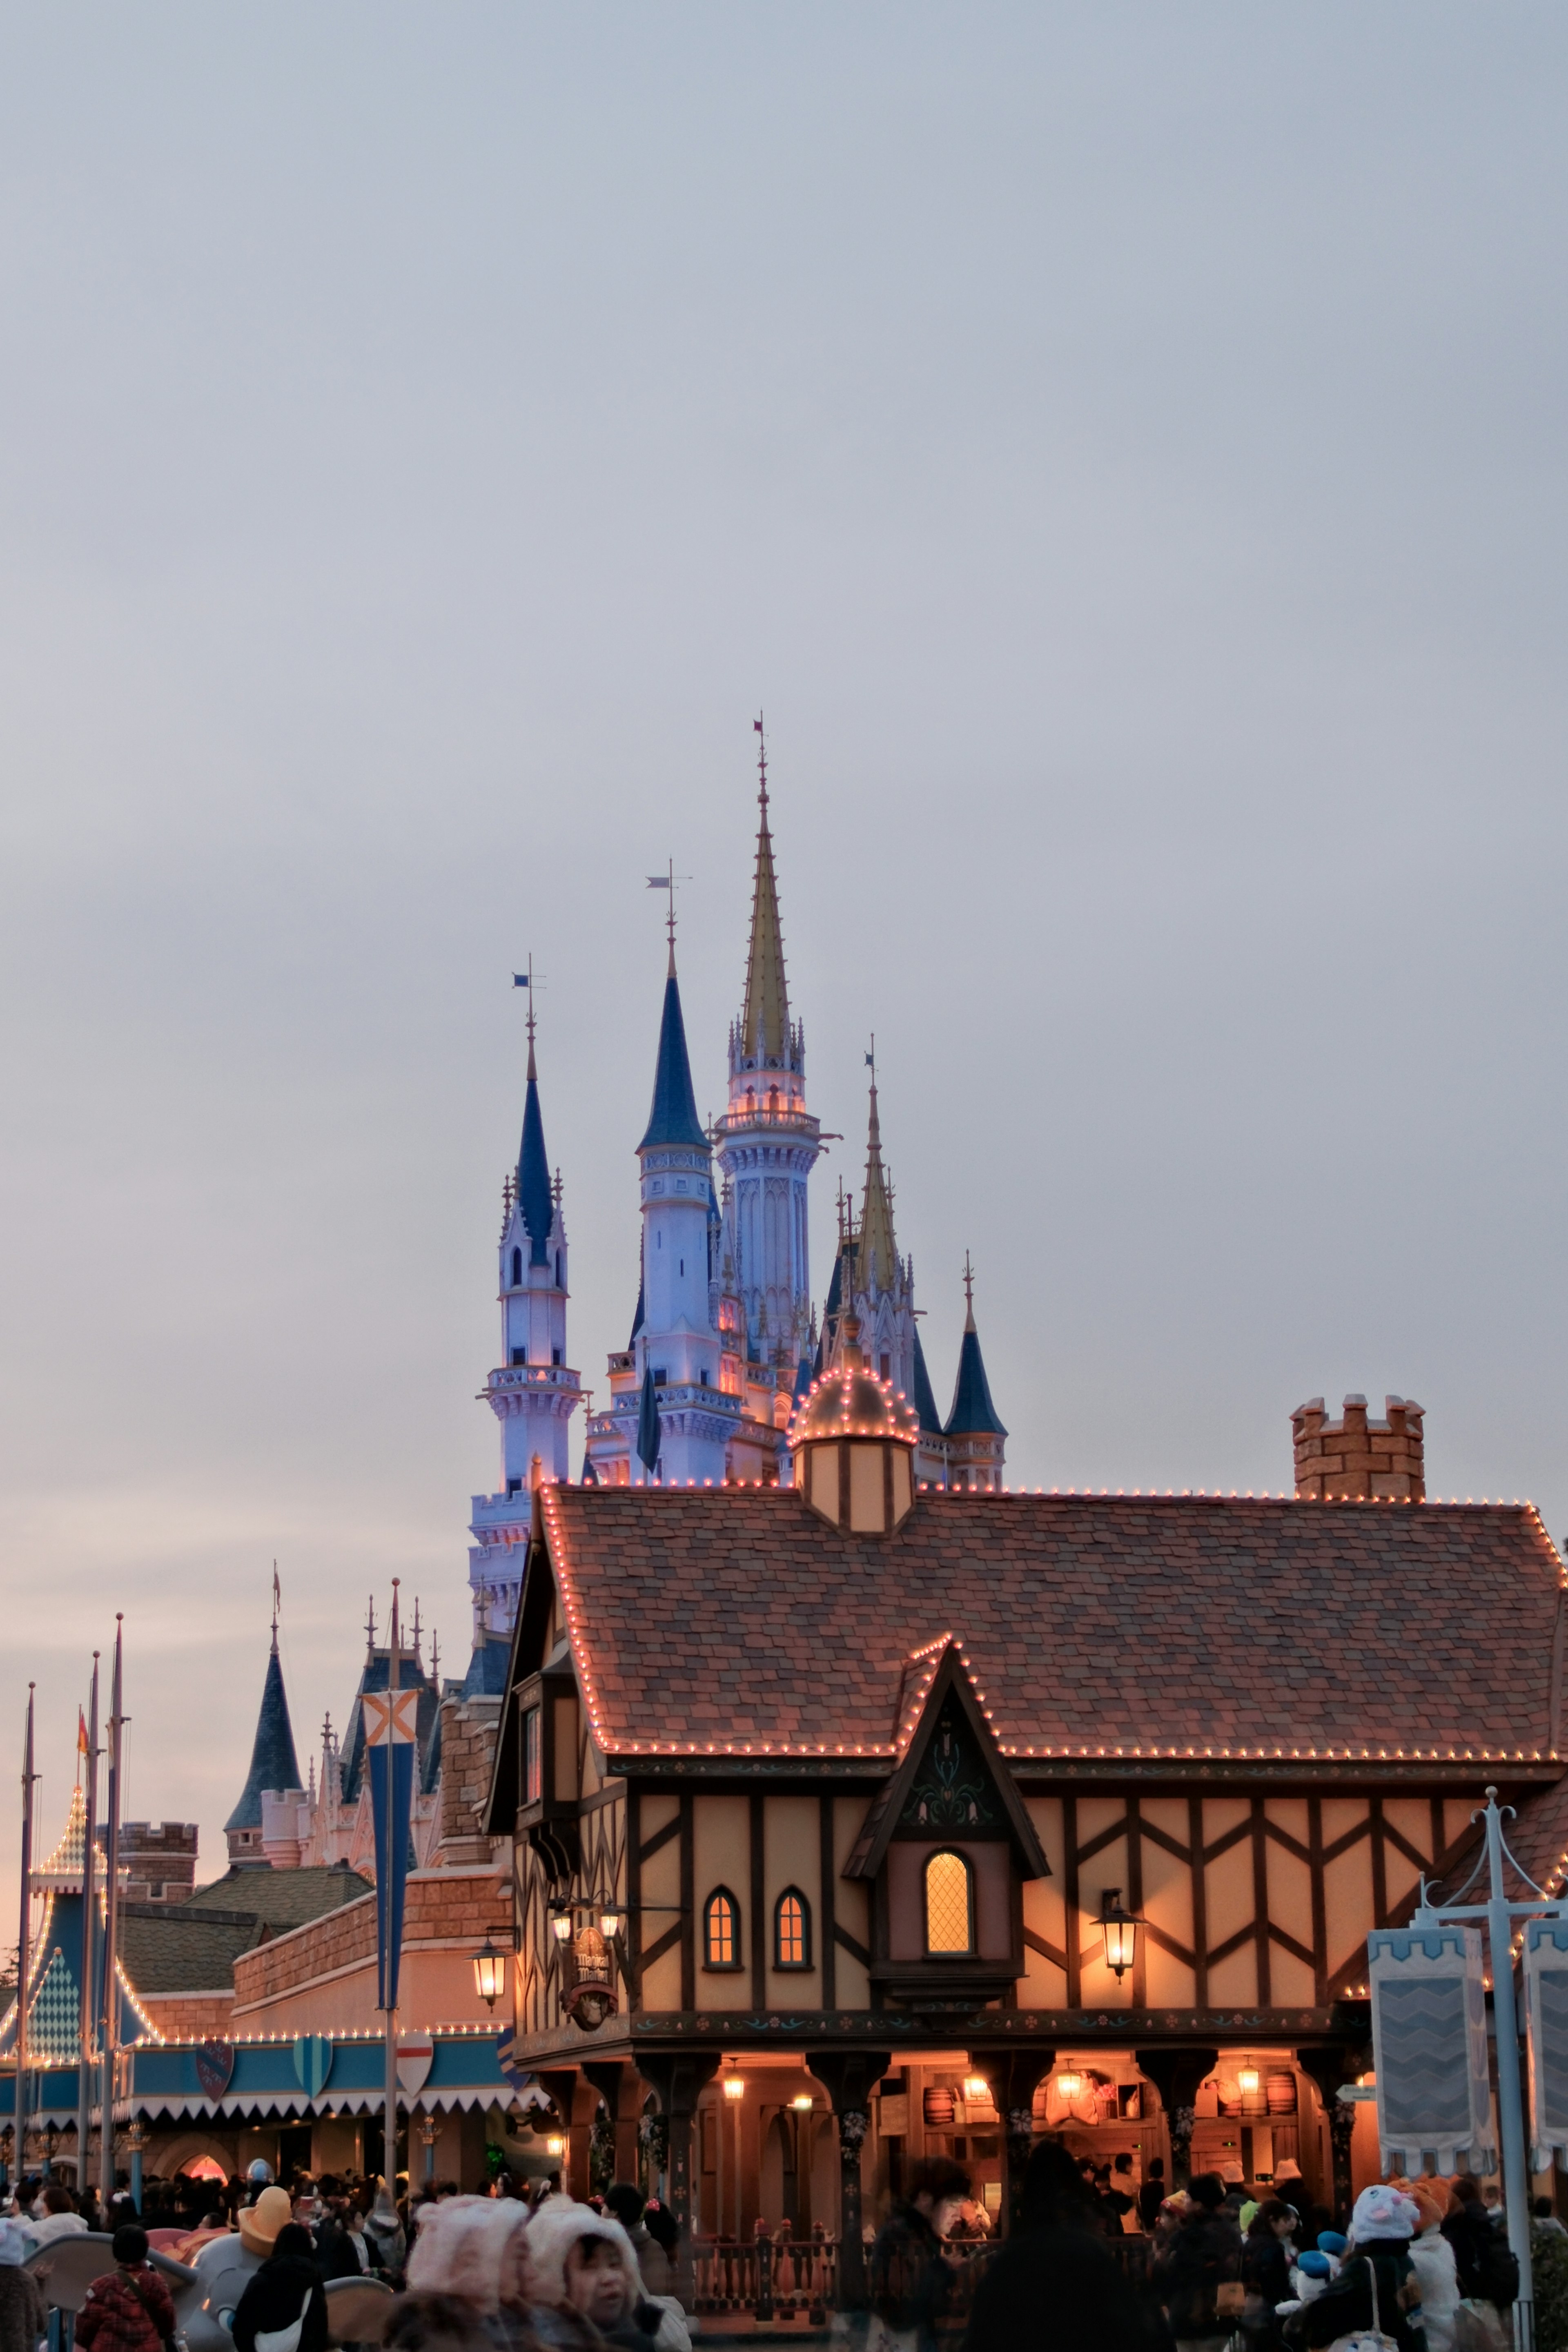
852	1440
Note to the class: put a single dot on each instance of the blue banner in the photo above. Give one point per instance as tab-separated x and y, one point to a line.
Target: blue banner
390	1719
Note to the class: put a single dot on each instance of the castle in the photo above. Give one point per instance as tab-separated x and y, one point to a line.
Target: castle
724	1340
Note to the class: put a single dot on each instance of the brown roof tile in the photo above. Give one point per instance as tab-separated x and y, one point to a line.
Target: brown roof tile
737	1617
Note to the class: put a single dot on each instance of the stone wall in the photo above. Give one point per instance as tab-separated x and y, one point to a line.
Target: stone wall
321	1978
1355	1457
190	2016
469	1728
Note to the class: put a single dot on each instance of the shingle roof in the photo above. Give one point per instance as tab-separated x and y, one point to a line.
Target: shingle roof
737	1617
165	1951
284	1898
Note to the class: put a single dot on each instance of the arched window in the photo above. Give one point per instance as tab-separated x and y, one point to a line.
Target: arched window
560	1273
949	1885
517	1269
791	1930
721	1930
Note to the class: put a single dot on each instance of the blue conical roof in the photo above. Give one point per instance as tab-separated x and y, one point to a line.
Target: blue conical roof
273	1763
924	1398
673	1117
973	1413
533	1174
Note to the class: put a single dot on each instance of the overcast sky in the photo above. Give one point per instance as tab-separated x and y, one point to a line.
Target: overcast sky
1121	449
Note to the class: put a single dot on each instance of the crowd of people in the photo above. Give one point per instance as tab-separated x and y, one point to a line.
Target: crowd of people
1424	2266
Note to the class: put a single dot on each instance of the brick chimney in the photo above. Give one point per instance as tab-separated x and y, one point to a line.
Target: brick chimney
1356	1458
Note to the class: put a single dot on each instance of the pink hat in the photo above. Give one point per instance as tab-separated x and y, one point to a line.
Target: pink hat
460	2246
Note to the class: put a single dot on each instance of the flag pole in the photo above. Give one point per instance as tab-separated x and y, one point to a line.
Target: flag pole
88	1939
389	1915
29	1778
110	1926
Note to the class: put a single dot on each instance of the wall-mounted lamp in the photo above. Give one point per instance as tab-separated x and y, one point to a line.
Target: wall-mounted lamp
489	1973
561	1922
1120	1930
555	2144
802	2102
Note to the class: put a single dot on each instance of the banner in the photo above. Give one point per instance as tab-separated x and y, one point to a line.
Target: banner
1429	2043
390	1722
1546	2017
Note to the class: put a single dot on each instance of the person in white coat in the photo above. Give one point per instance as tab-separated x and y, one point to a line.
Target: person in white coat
1432	2258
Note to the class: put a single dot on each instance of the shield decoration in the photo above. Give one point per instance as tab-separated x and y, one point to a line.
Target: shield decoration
215	2067
415	2052
512	2067
312	2062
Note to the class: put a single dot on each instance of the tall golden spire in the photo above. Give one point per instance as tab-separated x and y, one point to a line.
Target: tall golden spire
765	1023
878	1257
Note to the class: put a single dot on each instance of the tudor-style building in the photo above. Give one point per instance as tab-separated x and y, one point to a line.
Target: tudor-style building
855	1773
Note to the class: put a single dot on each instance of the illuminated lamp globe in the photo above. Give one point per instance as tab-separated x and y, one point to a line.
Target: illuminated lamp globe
734	2086
1248	2081
852	1443
489	1973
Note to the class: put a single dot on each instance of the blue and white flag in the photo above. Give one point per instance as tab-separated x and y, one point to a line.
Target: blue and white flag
1429	2042
390	1718
1546	2015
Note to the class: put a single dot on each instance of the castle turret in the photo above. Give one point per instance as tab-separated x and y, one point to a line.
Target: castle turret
533	1392
767	1142
273	1769
976	1436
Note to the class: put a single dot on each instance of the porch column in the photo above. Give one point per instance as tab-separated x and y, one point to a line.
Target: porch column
1176	2073
1014	2075
620	2088
678	2078
577	2101
847	2076
1328	2069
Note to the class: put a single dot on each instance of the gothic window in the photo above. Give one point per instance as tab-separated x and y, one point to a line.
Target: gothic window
517	1269
519	1355
885	1363
555	1355
721	1930
791	1930
949	1885
559	1276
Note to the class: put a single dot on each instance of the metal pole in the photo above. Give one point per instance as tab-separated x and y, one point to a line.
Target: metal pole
385	1863
88	1941
110	1928
1510	2113
24	1938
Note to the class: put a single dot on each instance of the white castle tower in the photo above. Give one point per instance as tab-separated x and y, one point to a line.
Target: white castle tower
532	1392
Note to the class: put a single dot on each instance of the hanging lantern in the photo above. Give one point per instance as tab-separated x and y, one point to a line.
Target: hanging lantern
489	1973
612	1919
1120	1930
1070	2085
733	2087
561	1922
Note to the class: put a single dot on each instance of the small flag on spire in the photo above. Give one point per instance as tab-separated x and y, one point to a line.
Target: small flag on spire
519	980
82	1748
658	881
756	726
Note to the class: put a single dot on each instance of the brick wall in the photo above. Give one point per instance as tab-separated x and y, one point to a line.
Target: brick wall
441	1906
189	2017
469	1728
1356	1456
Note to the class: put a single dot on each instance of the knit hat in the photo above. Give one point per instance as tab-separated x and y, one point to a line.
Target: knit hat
1381	2212
461	2246
555	2230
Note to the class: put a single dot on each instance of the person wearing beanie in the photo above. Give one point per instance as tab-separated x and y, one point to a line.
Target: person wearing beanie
1377	2287
131	2309
1199	2274
587	2287
1436	2273
474	2249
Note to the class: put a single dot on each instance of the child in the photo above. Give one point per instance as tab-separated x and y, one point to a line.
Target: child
128	2311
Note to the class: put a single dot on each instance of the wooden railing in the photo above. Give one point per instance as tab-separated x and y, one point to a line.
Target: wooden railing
771	2278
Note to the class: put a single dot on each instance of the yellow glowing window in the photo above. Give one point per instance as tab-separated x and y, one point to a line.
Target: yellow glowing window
721	1928
949	1905
791	1936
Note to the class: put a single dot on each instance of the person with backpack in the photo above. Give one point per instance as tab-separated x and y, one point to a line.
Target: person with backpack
1199	2274
283	2306
1377	2292
131	2310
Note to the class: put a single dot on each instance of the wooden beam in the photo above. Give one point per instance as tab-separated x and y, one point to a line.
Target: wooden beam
827	1920
1052	1952
1135	1904
1264	1994
852	1944
758	1906
1319	1902
660	1839
1070	1892
633	1896
1351	1837
1379	1868
1101	1839
1199	1904
688	1922
1171	1845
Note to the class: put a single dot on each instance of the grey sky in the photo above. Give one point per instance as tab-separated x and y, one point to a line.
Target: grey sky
1121	447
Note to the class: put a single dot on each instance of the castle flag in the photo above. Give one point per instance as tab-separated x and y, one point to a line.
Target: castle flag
390	1722
1430	2044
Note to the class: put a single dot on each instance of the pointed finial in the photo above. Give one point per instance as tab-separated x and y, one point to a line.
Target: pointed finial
370	1630
533	1073
670	919
434	1656
416	1629
276	1599
394	1640
761	768
968	1294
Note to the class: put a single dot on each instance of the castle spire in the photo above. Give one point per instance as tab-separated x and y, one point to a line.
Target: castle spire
273	1764
765	1019
673	1115
878	1261
973	1415
535	1197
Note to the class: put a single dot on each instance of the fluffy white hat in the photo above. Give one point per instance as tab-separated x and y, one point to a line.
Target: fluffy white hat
461	2246
1381	2212
556	2228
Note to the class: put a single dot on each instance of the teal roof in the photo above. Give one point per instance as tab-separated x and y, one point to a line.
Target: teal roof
924	1398
973	1413
273	1763
673	1118
533	1176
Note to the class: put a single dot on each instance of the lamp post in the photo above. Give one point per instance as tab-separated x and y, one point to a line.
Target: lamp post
734	2092
429	2132
136	2141
802	2102
1497	1916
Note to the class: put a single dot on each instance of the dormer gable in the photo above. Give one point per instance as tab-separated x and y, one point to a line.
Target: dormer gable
953	1781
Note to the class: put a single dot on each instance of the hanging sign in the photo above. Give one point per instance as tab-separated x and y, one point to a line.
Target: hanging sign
390	1721
1429	2042
215	2067
416	2054
312	2062
1546	2014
